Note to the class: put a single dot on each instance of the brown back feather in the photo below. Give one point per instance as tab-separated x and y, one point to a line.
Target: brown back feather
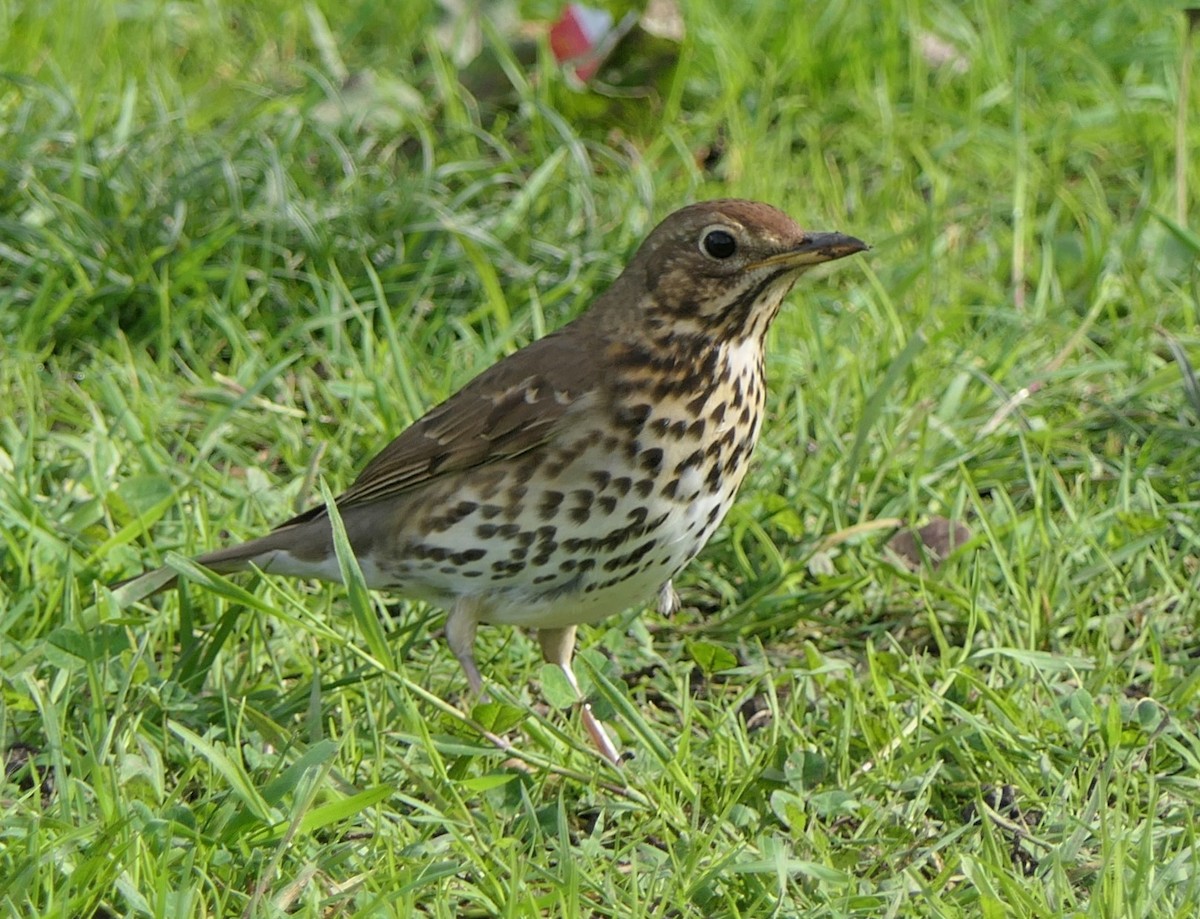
513	406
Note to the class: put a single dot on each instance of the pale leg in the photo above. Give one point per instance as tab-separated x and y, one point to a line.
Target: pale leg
557	647
668	600
461	623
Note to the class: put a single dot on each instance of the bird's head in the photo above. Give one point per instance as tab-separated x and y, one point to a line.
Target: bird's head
723	267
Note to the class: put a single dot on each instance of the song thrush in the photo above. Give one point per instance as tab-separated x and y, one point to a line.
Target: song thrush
572	479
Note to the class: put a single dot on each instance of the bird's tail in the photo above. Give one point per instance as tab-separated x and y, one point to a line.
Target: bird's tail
302	549
228	560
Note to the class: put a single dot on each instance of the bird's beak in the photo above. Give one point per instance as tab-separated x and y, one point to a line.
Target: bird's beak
816	248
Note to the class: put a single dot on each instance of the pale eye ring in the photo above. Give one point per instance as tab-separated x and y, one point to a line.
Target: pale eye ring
718	243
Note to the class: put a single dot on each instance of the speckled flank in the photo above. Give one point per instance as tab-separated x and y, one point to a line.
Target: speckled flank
587	528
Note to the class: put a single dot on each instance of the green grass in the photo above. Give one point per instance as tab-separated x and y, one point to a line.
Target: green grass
225	282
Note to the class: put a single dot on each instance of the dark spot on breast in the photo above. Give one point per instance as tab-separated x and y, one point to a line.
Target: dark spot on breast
671	488
601	478
718	413
577	449
565	456
468	555
632	417
526	468
432	553
622	484
485	530
695	458
548	506
631	557
582	510
696	429
632	356
659	426
642	551
644	487
734	459
438	523
663	385
651	460
607	503
463	509
713	481
490	511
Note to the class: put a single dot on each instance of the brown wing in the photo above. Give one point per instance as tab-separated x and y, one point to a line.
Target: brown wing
510	408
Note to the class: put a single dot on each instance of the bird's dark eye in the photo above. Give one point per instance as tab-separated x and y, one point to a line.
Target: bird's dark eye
718	244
